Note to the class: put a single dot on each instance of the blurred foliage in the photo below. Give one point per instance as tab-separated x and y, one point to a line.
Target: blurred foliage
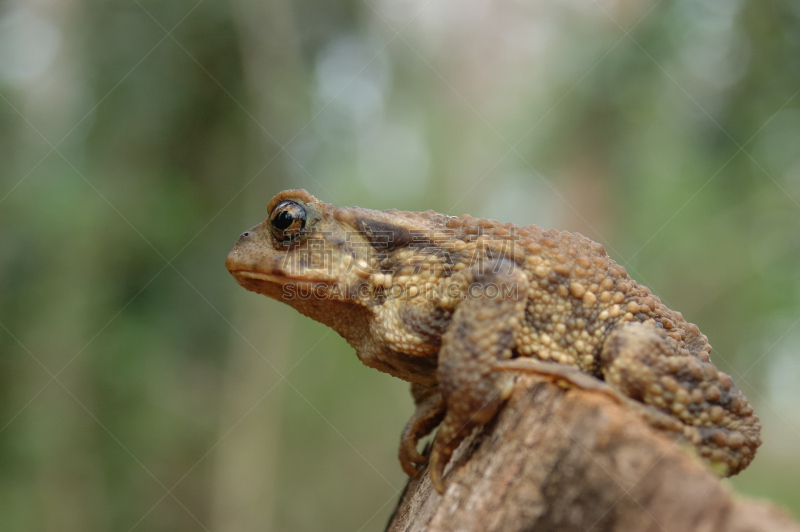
141	389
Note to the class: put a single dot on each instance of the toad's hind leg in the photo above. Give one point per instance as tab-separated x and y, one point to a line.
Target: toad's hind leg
571	377
642	362
481	333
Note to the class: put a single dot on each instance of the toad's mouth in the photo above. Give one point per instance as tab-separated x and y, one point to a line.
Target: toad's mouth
278	279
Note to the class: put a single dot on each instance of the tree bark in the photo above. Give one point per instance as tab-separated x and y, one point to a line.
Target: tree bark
574	460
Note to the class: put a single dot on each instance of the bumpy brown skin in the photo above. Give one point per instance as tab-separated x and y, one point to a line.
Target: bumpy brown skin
458	305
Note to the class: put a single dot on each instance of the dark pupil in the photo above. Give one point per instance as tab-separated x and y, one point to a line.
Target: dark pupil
283	220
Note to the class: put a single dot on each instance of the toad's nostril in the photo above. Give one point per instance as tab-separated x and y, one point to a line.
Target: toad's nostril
246	233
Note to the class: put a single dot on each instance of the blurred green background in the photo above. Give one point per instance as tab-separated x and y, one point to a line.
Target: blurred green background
142	389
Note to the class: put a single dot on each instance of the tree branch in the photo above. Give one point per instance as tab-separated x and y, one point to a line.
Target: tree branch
573	460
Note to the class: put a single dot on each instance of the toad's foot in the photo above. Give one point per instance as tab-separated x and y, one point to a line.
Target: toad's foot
429	413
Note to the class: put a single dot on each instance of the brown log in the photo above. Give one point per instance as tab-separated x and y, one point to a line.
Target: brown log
574	460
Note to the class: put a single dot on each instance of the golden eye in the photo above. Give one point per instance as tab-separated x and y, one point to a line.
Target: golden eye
287	220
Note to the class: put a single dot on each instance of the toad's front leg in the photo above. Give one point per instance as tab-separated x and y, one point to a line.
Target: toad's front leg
428	414
481	333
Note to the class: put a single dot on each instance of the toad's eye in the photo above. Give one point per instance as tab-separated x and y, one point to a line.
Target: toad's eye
287	220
